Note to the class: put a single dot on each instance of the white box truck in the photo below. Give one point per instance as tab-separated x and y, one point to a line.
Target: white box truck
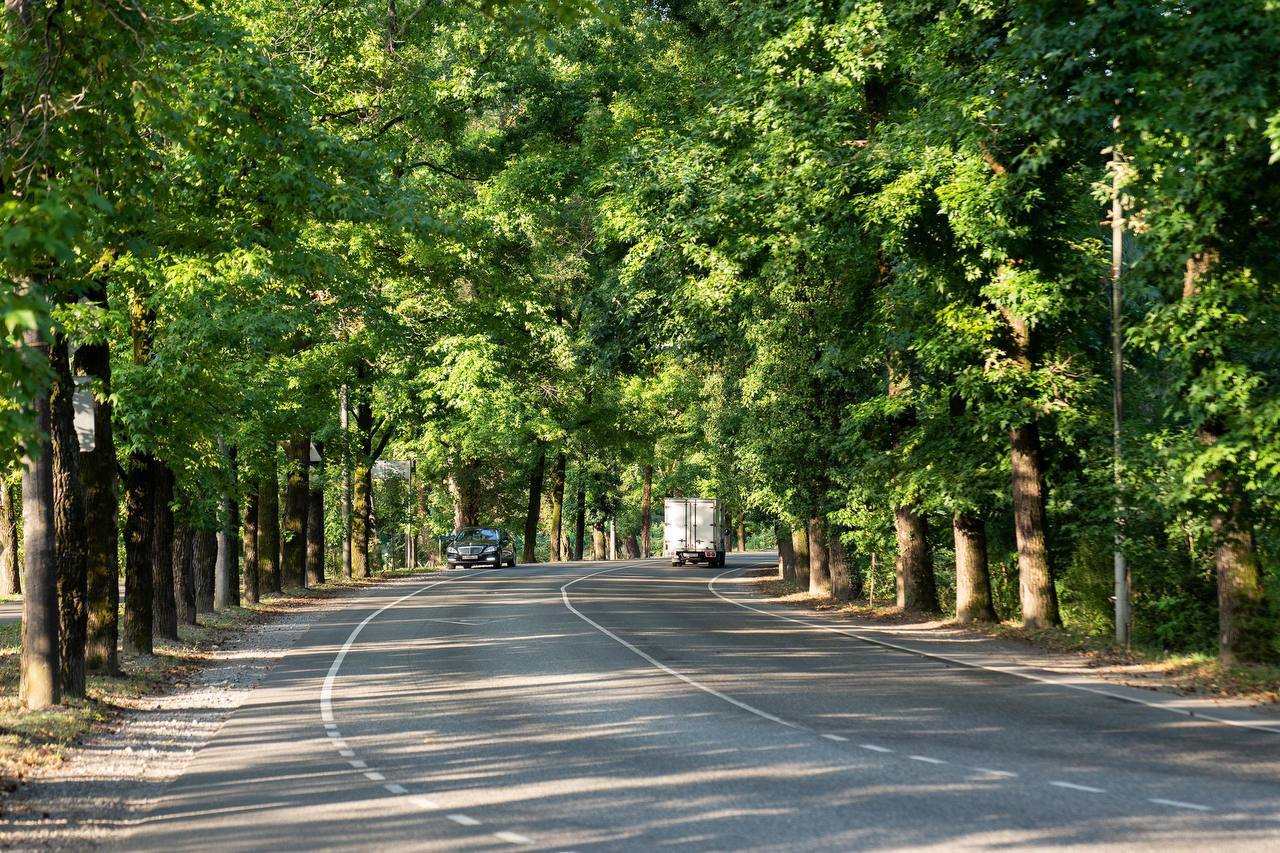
694	531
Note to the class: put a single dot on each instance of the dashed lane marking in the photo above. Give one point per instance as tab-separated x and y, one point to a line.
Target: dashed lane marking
357	764
396	789
1179	804
836	738
374	776
926	759
874	748
464	820
1072	786
1008	773
347	753
512	838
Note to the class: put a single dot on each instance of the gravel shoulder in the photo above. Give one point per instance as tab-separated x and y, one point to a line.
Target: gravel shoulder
113	774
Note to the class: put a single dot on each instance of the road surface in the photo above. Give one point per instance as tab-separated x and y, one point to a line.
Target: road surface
635	706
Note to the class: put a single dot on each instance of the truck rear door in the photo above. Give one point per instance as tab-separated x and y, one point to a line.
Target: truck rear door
675	525
705	525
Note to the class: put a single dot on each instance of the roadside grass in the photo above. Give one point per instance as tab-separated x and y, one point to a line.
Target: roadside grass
34	739
1186	674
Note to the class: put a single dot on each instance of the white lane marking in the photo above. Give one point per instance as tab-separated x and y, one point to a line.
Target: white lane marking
326	691
330	725
1008	773
751	709
874	748
396	789
837	738
359	765
465	820
346	753
926	759
424	803
1179	804
1029	676
512	838
334	733
1074	787
374	776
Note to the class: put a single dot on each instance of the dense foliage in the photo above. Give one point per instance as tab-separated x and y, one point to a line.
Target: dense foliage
842	265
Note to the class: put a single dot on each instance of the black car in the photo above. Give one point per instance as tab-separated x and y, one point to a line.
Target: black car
482	546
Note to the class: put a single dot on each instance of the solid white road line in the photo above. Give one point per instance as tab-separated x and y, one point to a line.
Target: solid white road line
926	759
1019	673
326	691
464	820
872	747
1088	789
751	709
512	838
1179	804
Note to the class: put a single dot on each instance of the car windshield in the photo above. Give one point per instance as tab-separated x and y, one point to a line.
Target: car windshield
478	533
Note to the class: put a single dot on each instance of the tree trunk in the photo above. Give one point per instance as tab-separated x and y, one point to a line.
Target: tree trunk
819	565
580	522
1244	631
917	588
204	558
298	451
599	550
10	570
631	546
846	582
361	518
184	576
226	574
375	545
742	531
163	599
646	514
973	575
800	548
70	532
315	526
535	507
557	508
345	489
102	515
250	534
1035	569
39	684
464	488
786	555
269	527
140	503
1035	572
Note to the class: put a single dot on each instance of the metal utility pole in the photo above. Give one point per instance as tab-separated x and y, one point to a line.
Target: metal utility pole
1117	392
613	539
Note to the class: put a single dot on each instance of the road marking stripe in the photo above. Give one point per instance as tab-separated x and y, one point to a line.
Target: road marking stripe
874	748
1074	787
926	759
359	765
334	733
512	838
837	738
374	776
330	725
424	803
346	753
751	709
1008	773
1029	676
326	691
396	789
463	819
1179	804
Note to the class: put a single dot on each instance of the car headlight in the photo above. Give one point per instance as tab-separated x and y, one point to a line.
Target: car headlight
489	549
451	550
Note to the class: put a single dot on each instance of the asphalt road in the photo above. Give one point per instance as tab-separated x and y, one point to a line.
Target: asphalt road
627	707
